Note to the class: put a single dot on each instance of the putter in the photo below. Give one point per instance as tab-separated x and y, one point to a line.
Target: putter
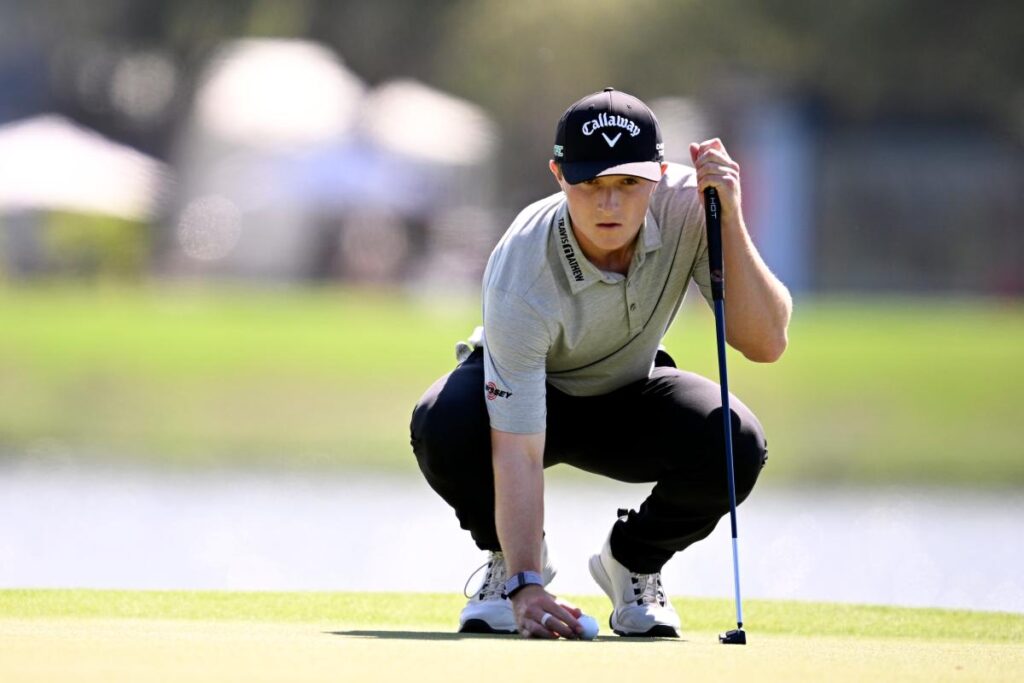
713	219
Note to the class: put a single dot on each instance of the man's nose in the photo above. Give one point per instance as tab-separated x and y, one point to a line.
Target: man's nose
608	199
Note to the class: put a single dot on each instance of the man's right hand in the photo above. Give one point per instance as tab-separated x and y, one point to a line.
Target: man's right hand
531	603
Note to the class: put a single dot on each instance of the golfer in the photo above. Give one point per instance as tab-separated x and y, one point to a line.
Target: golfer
577	297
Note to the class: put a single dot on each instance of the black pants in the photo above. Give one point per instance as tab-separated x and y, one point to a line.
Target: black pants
665	429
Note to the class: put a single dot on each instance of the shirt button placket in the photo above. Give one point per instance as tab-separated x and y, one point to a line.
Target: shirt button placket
631	307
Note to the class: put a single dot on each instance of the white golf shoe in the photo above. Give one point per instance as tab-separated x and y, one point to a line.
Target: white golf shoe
489	610
640	606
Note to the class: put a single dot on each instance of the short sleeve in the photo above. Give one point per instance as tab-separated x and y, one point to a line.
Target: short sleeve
516	343
702	269
679	203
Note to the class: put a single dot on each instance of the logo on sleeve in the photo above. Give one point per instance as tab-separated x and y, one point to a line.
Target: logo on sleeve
494	392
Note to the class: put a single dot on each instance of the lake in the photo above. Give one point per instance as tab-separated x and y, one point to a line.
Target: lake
63	525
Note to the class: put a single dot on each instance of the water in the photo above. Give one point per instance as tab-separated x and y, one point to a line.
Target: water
62	526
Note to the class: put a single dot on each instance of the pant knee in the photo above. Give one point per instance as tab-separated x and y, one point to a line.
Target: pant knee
450	431
451	440
749	452
422	431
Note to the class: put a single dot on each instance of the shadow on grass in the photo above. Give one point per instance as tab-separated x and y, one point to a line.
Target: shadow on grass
437	635
416	635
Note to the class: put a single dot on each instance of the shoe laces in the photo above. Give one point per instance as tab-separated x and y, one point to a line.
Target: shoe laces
493	586
648	589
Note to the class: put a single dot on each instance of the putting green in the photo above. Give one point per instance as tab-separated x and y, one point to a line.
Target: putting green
144	636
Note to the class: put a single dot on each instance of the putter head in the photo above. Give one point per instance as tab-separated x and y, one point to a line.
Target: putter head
735	637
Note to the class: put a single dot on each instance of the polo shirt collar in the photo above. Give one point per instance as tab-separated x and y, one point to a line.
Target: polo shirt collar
579	271
651	234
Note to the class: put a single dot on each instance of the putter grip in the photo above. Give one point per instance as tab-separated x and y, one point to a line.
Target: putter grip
713	219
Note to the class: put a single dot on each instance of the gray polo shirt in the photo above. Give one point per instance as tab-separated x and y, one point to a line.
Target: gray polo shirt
550	315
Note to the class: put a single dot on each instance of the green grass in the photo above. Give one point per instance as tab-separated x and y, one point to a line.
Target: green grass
900	390
74	635
438	611
905	390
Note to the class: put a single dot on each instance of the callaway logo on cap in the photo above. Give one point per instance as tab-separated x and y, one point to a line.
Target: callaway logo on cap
609	133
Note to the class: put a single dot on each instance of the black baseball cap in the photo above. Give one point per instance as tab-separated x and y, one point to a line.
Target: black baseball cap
609	133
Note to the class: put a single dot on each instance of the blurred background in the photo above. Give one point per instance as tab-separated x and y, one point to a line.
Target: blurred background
239	239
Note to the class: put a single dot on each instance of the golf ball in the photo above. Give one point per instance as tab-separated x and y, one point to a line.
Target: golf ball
589	625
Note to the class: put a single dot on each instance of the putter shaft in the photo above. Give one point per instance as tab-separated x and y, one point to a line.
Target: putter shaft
713	218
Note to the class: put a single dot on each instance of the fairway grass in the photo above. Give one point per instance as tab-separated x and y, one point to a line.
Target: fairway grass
869	391
48	635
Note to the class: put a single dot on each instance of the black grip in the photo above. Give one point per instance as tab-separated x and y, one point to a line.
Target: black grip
713	219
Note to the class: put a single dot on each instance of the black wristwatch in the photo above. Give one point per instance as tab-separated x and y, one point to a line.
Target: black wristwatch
521	580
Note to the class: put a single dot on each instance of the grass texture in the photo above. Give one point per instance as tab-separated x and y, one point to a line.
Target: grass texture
869	391
74	635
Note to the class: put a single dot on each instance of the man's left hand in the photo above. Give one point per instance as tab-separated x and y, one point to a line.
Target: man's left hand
715	168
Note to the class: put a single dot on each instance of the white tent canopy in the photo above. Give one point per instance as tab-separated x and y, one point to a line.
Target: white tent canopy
277	92
48	162
412	119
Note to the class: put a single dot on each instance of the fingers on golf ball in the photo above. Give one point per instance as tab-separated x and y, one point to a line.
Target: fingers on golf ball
589	625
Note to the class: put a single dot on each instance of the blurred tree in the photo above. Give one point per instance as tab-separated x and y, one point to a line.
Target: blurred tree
94	246
384	40
525	61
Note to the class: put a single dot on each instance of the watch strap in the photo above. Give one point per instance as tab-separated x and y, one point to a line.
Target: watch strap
521	580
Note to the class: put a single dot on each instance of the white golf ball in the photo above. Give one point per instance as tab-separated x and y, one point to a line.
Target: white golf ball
589	625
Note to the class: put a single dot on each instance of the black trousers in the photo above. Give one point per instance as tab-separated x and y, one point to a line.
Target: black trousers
665	429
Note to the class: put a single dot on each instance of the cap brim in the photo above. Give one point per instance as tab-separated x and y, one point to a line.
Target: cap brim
579	171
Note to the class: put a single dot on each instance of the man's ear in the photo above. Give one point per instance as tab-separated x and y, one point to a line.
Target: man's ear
555	171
